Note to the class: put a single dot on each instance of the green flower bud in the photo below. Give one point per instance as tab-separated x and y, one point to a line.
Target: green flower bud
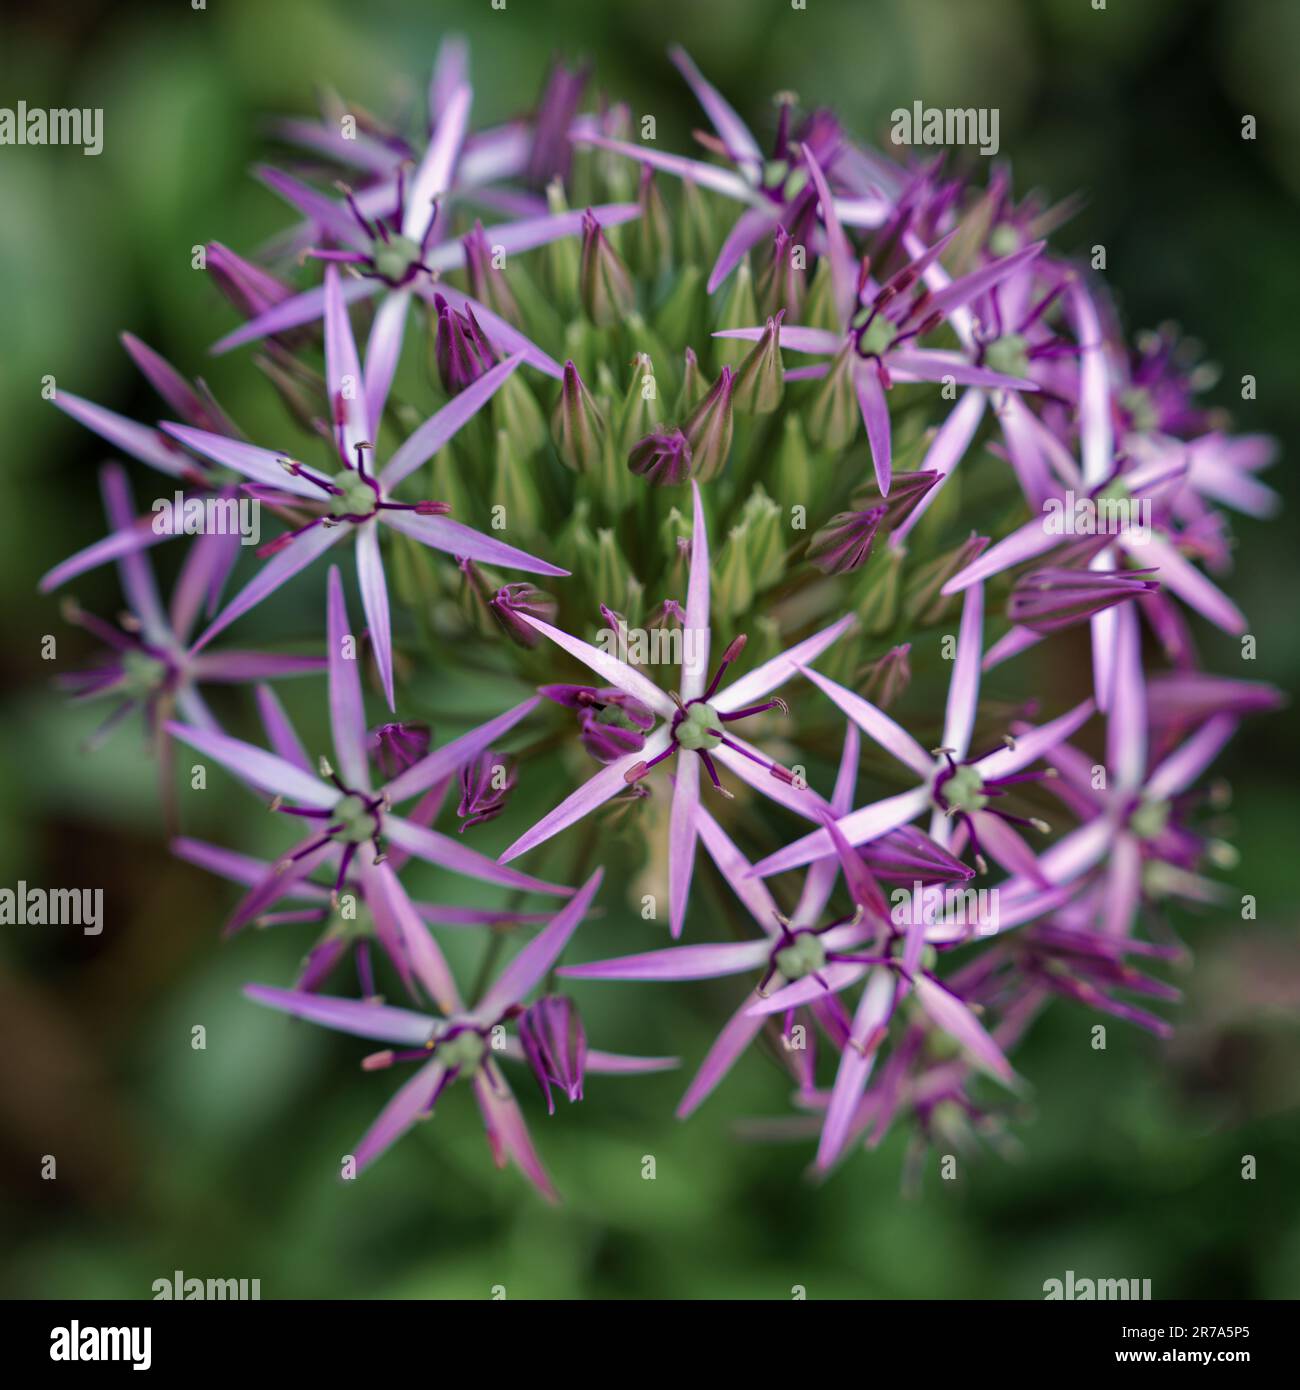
608	295
924	604
301	390
538	311
875	596
695	227
693	384
833	416
652	246
760	380
709	428
819	309
577	425
752	557
487	280
450	485
783	283
640	412
888	677
739	310
612	577
733	581
761	518
681	317
793	471
563	260
514	489
516	411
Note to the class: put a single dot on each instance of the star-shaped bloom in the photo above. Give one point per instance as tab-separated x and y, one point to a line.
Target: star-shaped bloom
355	500
875	343
460	1045
775	190
151	660
953	785
696	721
347	811
789	948
1136	497
150	446
388	240
348	923
1139	814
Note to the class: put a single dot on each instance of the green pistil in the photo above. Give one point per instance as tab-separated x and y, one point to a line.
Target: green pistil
1008	355
142	674
358	498
1114	491
805	955
615	716
1149	820
877	337
394	258
1138	406
359	822
929	956
1004	240
693	730
463	1052
775	172
963	790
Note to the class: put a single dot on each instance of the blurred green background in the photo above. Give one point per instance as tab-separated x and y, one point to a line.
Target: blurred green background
223	1163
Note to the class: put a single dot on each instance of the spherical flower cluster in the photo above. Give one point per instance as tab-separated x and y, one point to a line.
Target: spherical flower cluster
752	471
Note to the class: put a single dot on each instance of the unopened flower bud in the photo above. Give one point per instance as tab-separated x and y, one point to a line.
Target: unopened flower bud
606	287
663	458
709	428
577	426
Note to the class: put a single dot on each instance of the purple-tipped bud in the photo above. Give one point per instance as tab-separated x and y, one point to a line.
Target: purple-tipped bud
887	678
907	855
552	154
784	280
905	492
513	599
662	458
844	543
709	427
395	747
653	231
461	348
577	426
760	378
692	381
606	287
248	287
613	724
555	1045
194	407
484	785
1048	600
487	281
